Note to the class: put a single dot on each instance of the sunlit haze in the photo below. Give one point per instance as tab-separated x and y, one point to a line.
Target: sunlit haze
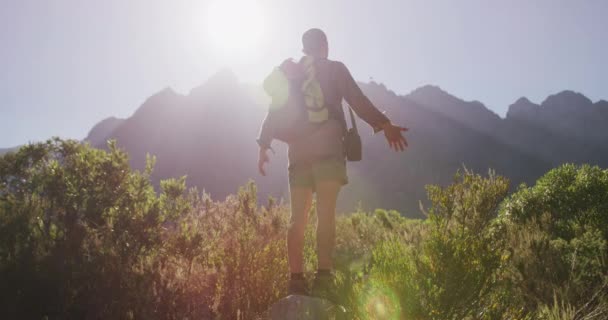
234	27
68	64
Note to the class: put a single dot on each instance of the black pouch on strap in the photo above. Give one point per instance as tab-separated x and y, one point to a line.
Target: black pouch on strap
352	141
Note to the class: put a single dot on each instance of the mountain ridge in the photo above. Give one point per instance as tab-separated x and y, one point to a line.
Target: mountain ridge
209	135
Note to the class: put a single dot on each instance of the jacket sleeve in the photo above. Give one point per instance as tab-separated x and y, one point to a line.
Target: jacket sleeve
362	106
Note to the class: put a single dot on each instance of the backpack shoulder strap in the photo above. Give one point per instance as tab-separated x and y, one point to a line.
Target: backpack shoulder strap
334	83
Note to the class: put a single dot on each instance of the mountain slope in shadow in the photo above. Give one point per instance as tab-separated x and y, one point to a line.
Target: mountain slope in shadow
209	135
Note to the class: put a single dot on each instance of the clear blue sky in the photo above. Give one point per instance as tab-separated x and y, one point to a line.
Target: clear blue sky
67	64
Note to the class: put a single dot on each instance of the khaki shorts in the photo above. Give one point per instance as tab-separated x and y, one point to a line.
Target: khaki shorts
307	175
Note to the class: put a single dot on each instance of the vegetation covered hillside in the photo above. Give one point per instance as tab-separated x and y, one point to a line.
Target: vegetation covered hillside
84	236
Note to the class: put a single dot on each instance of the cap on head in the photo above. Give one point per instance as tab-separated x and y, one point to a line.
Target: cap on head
314	41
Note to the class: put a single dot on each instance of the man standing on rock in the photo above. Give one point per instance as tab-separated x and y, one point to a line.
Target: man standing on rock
317	160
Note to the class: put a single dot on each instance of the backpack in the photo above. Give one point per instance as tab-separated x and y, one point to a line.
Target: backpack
298	106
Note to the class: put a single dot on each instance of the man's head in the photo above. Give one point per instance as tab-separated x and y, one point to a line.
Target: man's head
315	44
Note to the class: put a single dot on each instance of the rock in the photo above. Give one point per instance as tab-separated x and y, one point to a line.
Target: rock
296	307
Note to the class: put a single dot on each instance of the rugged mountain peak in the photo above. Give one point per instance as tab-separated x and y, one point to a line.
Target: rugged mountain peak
164	95
375	90
522	108
224	76
167	92
105	122
102	130
438	99
157	101
567	100
477	103
428	91
471	113
602	104
224	79
523	101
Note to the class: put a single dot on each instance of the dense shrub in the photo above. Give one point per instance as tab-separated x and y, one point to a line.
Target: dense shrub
358	236
558	232
449	274
84	236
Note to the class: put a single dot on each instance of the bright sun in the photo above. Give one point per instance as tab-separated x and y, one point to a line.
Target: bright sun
235	26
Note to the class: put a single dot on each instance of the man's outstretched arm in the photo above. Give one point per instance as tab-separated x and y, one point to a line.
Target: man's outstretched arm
364	108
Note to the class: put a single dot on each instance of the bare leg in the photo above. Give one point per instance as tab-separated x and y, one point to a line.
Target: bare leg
301	200
327	195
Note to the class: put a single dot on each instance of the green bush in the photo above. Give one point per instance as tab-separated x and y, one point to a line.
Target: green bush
449	274
557	237
358	235
77	228
84	236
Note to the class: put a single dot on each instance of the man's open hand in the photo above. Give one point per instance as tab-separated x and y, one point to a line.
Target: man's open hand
262	159
394	136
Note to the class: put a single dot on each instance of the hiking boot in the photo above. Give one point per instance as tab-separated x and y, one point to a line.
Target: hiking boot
297	287
324	287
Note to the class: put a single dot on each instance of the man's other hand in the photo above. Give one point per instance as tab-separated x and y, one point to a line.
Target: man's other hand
262	159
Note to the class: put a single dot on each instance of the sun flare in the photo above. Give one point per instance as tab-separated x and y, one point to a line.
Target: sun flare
235	26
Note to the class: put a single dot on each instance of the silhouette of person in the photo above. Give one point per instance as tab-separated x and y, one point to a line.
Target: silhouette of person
317	161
